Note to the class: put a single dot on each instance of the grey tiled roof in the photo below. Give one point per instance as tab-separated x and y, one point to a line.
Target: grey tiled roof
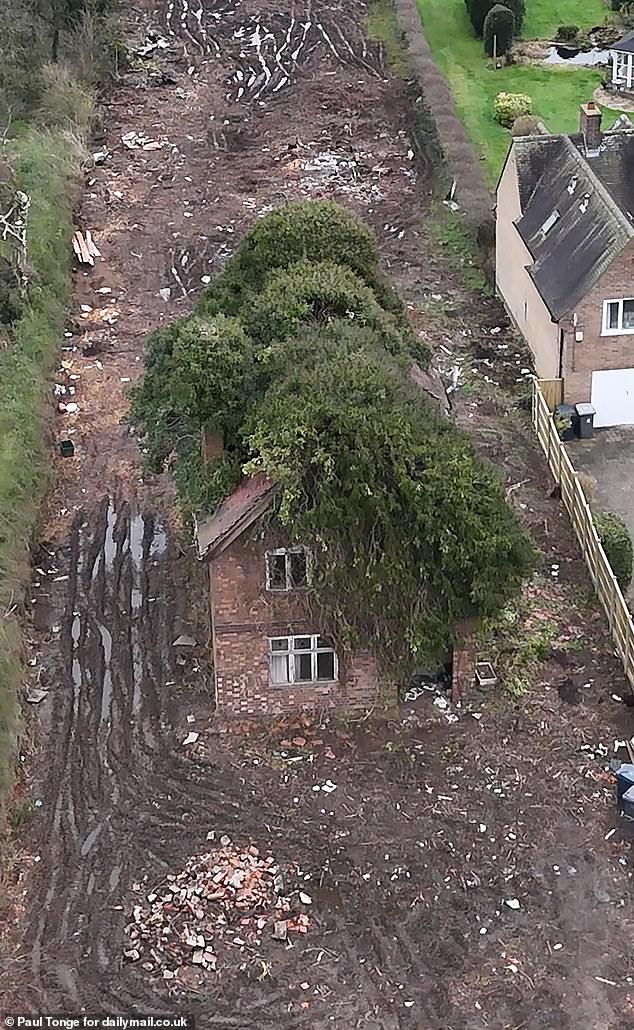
575	211
626	44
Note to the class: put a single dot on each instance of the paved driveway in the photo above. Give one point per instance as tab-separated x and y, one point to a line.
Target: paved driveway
609	459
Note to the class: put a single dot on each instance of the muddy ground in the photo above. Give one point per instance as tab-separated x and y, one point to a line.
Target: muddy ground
437	820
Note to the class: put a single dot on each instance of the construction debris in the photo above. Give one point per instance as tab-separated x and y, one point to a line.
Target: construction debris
139	141
225	899
85	249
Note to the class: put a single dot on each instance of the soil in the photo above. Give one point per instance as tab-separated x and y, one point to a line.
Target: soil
440	815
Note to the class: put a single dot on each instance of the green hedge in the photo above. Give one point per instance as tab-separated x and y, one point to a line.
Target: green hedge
45	168
617	544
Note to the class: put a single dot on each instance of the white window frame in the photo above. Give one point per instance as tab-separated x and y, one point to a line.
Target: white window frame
287	552
291	650
605	329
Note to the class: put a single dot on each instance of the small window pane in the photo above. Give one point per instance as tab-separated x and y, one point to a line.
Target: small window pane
325	665
297	569
281	644
323	642
302	643
628	314
613	315
279	668
277	571
303	668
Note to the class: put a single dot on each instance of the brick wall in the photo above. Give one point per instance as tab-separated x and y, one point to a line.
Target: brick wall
245	615
596	352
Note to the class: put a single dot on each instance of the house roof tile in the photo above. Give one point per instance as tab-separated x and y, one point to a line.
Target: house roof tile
575	211
249	500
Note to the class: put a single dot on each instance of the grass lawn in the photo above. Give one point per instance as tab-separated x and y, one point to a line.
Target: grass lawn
543	16
556	92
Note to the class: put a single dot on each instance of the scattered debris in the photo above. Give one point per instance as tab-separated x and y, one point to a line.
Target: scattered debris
232	896
191	738
184	641
36	695
139	141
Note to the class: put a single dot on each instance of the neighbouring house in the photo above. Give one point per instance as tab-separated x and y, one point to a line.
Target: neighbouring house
565	259
271	654
622	58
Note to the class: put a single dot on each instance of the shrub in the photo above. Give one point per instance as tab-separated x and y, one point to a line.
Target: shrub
64	101
518	7
478	10
567	33
525	125
499	27
411	530
310	230
617	544
320	293
509	106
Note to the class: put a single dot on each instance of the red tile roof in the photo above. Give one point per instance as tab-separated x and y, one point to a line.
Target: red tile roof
248	501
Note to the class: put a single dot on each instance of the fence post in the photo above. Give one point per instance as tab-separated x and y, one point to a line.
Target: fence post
612	604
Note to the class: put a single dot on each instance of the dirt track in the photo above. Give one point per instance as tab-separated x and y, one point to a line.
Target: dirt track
403	879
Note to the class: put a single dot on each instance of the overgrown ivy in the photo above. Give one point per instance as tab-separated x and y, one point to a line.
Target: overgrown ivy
296	361
411	530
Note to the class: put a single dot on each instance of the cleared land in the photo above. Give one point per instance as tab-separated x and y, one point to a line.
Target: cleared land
436	822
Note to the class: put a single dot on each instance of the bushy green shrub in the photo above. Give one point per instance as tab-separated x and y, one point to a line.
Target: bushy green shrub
310	230
509	106
567	33
499	26
411	529
617	544
478	10
320	292
518	7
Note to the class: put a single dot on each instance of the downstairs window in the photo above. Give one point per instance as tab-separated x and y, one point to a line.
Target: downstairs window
310	659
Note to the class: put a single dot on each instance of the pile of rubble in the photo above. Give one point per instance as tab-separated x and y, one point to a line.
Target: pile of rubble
229	897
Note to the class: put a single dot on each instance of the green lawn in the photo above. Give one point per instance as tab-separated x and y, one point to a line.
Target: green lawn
556	92
543	16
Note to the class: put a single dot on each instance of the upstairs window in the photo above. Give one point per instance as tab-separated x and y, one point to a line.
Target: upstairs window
310	659
618	317
287	568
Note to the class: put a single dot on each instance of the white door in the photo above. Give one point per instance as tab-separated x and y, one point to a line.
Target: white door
613	397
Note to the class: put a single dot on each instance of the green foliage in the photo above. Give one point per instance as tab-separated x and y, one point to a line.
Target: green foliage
411	530
306	376
617	544
510	106
320	292
46	170
567	33
499	26
478	10
518	7
310	230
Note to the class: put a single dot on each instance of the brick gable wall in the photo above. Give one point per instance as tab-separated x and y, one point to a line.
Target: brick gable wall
245	614
596	352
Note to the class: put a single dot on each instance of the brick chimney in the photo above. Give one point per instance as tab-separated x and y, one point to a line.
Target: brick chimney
590	126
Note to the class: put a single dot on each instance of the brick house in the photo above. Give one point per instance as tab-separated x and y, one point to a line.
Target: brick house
270	656
565	259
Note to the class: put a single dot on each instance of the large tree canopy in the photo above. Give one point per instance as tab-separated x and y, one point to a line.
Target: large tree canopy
305	373
412	530
309	230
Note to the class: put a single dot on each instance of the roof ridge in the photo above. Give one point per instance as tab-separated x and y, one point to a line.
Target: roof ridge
603	192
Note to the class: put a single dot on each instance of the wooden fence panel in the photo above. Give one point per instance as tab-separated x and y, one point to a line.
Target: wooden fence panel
546	394
552	391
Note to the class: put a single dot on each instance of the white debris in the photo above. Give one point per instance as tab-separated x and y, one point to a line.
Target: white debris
512	903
